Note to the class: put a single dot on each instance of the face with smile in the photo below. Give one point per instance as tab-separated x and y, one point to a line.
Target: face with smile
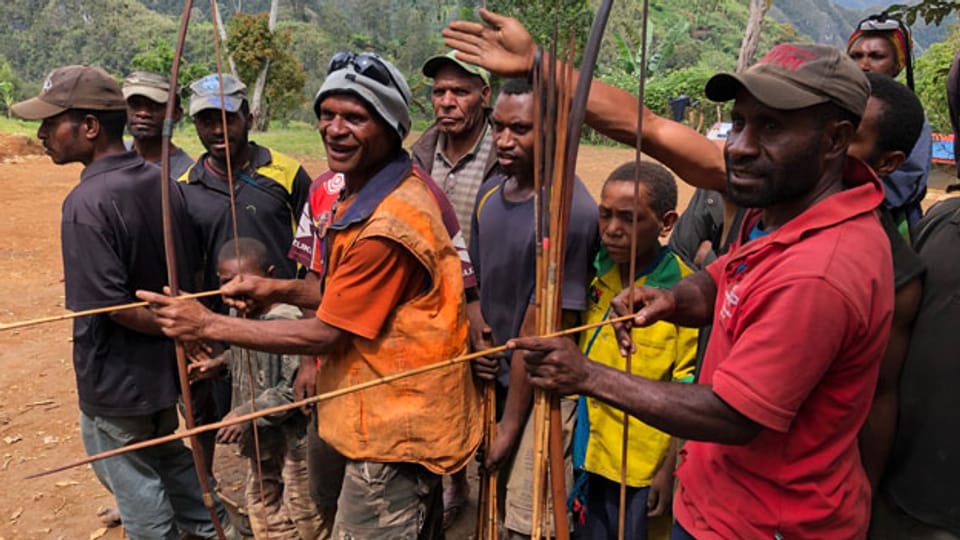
513	133
458	100
772	156
358	142
62	140
618	228
209	124
875	54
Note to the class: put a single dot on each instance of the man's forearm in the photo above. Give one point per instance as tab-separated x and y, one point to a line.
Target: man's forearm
301	336
696	159
694	296
303	293
689	411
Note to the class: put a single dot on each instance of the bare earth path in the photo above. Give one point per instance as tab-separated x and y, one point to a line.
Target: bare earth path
38	408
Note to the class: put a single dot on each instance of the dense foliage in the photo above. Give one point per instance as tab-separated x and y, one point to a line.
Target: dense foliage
689	40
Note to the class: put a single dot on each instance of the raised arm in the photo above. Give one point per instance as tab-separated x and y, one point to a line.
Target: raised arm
504	46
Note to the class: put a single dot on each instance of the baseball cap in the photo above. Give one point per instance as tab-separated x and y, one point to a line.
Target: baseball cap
206	94
73	87
434	64
798	75
149	84
377	82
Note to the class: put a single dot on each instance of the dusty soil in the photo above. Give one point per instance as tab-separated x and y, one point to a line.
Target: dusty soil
38	404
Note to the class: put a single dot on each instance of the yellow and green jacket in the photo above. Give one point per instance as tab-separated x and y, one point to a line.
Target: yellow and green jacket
664	352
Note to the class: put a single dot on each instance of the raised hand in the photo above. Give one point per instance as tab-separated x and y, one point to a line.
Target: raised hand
502	45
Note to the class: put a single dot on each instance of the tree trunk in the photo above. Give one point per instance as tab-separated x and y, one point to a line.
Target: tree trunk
256	100
751	38
223	40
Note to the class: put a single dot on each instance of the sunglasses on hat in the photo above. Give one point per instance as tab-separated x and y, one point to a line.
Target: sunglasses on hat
368	65
881	23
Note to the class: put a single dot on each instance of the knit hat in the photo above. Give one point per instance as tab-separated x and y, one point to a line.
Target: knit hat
373	80
890	29
798	75
206	94
73	87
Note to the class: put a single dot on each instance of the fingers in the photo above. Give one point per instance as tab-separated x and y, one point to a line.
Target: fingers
655	503
154	298
492	19
537	344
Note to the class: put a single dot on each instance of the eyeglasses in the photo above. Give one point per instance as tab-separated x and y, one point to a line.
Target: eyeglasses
368	65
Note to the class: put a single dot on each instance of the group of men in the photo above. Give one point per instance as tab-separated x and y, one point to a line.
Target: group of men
399	261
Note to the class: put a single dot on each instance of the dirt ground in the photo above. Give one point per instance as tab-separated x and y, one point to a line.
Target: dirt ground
38	404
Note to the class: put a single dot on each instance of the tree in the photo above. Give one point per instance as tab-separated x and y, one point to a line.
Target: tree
158	57
931	11
253	46
751	37
571	17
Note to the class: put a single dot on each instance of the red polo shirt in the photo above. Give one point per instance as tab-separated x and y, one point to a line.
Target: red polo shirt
801	321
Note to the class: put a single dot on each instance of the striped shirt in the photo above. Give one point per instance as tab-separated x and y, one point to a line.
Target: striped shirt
460	181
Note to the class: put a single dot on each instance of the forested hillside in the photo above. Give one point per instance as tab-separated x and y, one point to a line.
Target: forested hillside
690	39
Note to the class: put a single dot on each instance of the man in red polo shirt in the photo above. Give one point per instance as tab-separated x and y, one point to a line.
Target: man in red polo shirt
801	308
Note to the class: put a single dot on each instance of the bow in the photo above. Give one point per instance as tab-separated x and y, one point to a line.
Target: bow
554	192
170	253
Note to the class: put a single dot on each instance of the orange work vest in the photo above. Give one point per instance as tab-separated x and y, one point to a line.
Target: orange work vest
431	419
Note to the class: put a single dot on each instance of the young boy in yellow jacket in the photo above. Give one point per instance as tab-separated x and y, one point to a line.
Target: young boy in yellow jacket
664	352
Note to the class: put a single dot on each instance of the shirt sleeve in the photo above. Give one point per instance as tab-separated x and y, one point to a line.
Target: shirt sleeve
374	277
94	273
774	364
582	242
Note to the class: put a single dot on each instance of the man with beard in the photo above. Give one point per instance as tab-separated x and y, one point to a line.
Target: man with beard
801	310
112	240
146	94
392	301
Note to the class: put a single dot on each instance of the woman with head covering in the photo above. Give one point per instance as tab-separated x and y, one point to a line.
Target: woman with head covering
882	44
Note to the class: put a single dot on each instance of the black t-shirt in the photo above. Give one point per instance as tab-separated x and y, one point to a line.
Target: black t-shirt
269	192
503	252
112	244
923	478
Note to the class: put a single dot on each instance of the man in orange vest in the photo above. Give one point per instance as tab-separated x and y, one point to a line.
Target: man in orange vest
392	301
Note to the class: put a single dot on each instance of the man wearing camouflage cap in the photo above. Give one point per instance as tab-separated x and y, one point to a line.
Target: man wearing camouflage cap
111	235
392	301
147	94
800	307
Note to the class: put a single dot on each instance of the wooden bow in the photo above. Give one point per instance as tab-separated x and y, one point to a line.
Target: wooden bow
170	253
